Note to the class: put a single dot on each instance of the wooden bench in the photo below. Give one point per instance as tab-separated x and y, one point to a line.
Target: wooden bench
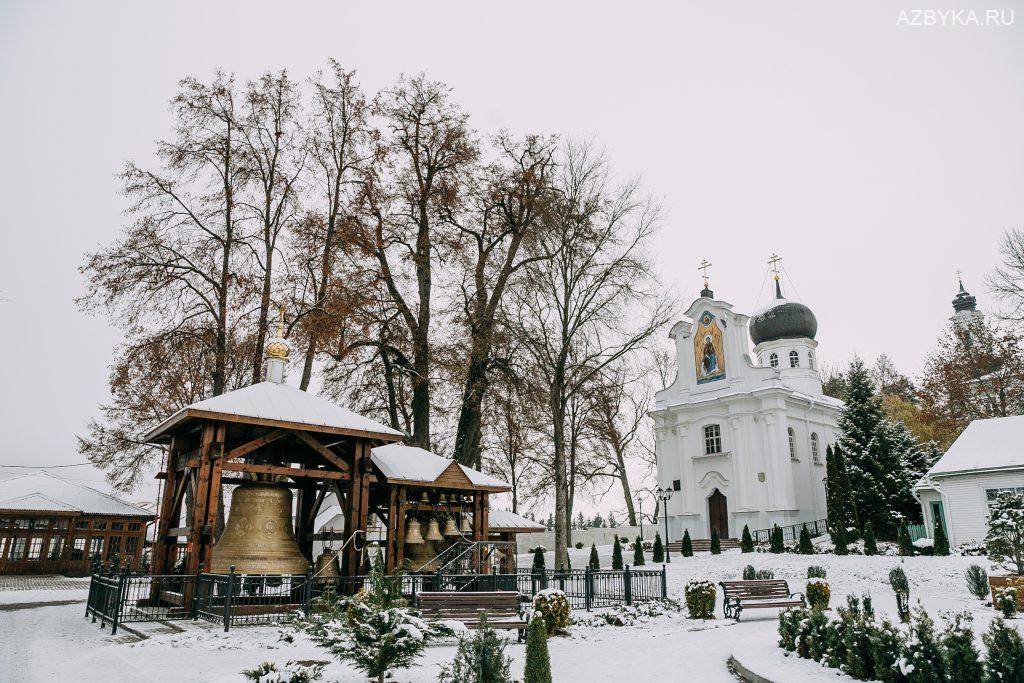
502	607
741	595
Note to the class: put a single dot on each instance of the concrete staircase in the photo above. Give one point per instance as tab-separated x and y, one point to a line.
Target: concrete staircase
703	545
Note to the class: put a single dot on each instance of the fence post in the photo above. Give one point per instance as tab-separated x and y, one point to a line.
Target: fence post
117	601
307	594
588	588
629	585
437	579
88	602
195	592
227	598
664	583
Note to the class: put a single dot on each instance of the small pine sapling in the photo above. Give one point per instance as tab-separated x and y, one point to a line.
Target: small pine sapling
1005	647
749	574
805	547
480	658
594	563
687	547
746	541
815	572
777	544
941	540
870	544
901	586
716	543
977	581
538	558
764	575
839	540
922	653
658	552
638	552
538	661
617	554
1005	600
903	541
962	661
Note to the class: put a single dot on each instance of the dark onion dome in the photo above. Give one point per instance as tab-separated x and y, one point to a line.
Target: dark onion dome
782	319
963	301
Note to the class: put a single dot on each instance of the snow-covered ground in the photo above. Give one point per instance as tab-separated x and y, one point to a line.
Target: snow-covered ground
57	643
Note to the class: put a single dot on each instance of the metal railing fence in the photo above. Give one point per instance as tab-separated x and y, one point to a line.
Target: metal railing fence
791	534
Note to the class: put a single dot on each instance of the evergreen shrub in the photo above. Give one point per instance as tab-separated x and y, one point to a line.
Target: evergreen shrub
1006	600
617	554
815	572
818	594
746	541
638	553
977	581
870	545
595	562
687	546
903	541
962	661
538	557
901	586
538	661
1004	660
553	606
777	544
479	658
700	599
716	543
805	547
941	540
749	574
658	551
764	574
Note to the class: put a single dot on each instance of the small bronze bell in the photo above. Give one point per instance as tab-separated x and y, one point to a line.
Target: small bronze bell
424	498
442	499
449	527
466	527
258	538
413	533
327	564
433	533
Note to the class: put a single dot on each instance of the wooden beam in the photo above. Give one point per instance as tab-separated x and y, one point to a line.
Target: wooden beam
323	451
297	426
231	466
247	448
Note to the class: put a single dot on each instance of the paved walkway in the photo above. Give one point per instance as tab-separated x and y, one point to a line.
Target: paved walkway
48	582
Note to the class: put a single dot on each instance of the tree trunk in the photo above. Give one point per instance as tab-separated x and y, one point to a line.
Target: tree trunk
558	432
468	435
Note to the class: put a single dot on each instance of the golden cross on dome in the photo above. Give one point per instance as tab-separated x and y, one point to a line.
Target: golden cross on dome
703	267
774	262
280	322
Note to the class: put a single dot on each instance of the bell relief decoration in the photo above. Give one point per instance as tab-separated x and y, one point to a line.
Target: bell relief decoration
708	349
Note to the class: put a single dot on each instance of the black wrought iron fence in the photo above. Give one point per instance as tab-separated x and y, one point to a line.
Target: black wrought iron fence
246	599
791	534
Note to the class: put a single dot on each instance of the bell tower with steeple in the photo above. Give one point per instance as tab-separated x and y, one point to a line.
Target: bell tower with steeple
965	307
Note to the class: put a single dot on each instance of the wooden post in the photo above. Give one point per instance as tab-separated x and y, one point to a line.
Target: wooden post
204	510
392	537
170	513
303	522
403	507
350	556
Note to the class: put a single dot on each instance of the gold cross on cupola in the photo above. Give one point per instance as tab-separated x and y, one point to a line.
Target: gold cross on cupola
774	262
703	267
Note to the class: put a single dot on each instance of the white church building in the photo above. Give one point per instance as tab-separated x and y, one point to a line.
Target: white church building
741	433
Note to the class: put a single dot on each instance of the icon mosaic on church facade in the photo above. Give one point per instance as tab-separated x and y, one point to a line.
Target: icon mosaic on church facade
708	349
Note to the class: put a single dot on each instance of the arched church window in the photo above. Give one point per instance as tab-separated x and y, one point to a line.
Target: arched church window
792	444
815	449
712	439
773	360
810	359
794	359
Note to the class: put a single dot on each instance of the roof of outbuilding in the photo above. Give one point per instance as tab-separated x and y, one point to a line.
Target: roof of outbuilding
279	403
985	445
503	520
409	463
46	492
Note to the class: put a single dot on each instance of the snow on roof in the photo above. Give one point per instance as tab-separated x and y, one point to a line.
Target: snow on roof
279	402
43	491
503	519
410	463
985	445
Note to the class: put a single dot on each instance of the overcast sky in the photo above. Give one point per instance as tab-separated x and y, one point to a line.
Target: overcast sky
876	158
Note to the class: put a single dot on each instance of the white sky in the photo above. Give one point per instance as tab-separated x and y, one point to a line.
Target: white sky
876	159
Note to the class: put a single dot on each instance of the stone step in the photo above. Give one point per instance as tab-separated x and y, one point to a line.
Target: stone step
703	545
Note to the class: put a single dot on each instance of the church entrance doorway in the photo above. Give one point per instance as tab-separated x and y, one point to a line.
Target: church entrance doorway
718	514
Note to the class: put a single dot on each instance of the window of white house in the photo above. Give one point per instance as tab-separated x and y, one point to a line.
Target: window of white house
712	439
992	494
815	450
773	360
810	359
794	359
792	444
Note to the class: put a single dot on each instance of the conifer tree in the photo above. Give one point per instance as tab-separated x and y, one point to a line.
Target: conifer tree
746	541
1005	647
617	554
479	658
840	505
870	545
595	563
687	545
941	540
839	540
716	543
962	662
806	547
658	552
638	552
538	662
903	540
538	558
777	545
923	652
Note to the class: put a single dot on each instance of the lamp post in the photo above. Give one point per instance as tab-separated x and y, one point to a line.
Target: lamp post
640	510
664	495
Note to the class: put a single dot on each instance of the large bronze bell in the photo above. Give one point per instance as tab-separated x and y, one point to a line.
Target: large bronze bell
258	538
449	527
327	564
413	533
421	555
433	532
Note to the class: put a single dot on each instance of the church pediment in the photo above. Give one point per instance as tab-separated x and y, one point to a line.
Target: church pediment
711	479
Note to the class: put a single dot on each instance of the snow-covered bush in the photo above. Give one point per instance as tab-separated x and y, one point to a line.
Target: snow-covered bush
1006	600
972	550
579	545
554	607
818	594
901	586
765	574
924	546
749	573
921	655
959	652
977	581
480	658
1005	539
815	572
628	615
373	630
1005	658
267	672
700	599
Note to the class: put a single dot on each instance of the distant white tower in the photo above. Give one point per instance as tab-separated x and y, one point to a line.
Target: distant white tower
965	308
